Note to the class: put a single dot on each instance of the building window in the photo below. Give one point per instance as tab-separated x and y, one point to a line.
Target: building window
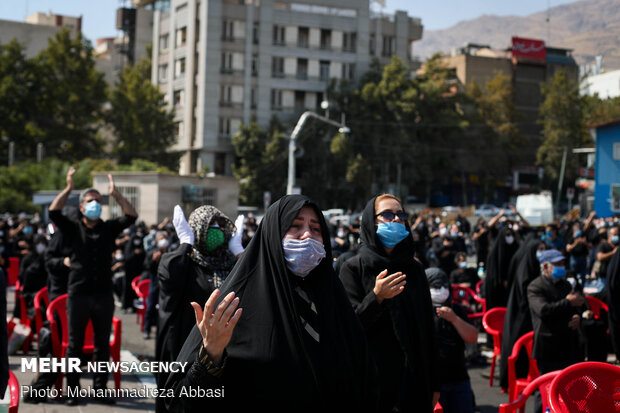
131	194
163	73
303	37
276	99
388	46
348	71
225	95
178	129
277	66
278	35
372	45
181	37
254	65
163	42
324	70
178	97
253	98
326	39
255	33
228	28
302	69
220	164
617	151
179	67
224	128
227	66
349	42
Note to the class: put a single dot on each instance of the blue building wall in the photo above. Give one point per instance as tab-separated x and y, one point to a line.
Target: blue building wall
607	171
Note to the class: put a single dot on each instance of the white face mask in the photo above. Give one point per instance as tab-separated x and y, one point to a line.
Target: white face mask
443	231
40	248
439	296
510	239
119	257
163	243
302	256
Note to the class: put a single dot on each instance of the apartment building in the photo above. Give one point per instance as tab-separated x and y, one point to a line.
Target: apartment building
222	62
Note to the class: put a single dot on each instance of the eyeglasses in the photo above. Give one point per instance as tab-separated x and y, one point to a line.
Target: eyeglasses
390	216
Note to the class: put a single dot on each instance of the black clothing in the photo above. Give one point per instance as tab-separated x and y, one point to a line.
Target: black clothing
554	341
451	366
270	361
134	260
400	330
445	253
496	281
613	301
91	251
32	273
98	308
181	281
481	244
518	321
466	275
58	272
604	247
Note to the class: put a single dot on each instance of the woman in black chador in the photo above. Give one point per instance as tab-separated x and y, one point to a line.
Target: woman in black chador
280	334
390	294
496	282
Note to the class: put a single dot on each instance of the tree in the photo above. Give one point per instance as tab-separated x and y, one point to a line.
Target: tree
71	97
18	96
562	117
144	127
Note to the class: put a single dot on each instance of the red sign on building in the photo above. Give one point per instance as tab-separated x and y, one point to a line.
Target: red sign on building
529	48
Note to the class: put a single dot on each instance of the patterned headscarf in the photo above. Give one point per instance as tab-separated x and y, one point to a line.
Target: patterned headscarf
199	221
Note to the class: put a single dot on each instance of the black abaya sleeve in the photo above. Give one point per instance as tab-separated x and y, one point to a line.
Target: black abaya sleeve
364	303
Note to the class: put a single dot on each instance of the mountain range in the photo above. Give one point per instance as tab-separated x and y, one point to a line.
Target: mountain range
588	27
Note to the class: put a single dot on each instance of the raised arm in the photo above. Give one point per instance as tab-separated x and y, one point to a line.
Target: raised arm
61	199
127	208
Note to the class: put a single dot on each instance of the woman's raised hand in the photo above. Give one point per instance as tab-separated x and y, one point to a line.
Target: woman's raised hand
389	286
216	327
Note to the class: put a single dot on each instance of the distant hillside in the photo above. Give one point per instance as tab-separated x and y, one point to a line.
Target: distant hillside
589	27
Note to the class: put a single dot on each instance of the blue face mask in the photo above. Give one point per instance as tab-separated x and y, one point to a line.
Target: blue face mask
549	234
454	234
615	239
538	254
463	264
27	230
578	233
92	210
391	233
558	272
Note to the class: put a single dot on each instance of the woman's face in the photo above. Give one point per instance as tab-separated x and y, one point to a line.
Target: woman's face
391	205
305	225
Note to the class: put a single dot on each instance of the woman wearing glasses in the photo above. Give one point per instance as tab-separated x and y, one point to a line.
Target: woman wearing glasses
390	294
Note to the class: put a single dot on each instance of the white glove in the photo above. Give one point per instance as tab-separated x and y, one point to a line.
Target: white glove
234	245
184	232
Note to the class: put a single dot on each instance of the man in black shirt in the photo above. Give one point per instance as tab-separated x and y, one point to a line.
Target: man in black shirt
90	276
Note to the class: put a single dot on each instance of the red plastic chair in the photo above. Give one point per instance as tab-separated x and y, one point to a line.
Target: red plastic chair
438	408
596	306
12	271
542	383
464	296
41	299
493	323
134	283
479	286
58	309
23	315
516	385
590	386
13	392
142	291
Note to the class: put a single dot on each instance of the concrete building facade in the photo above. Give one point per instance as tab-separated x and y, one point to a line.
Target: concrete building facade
222	62
606	85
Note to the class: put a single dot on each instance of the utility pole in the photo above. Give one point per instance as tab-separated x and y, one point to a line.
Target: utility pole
561	180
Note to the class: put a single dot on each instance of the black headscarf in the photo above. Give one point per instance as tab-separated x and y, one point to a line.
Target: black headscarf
411	311
269	362
498	261
517	321
613	300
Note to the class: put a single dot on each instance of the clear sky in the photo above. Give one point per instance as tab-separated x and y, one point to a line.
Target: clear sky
99	15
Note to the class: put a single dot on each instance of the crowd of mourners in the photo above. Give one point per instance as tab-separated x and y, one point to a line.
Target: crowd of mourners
356	314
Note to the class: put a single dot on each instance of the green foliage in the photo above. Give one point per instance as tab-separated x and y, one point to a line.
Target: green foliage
71	97
261	161
600	111
143	126
562	117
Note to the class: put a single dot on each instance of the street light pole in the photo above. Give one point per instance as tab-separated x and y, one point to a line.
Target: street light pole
290	186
